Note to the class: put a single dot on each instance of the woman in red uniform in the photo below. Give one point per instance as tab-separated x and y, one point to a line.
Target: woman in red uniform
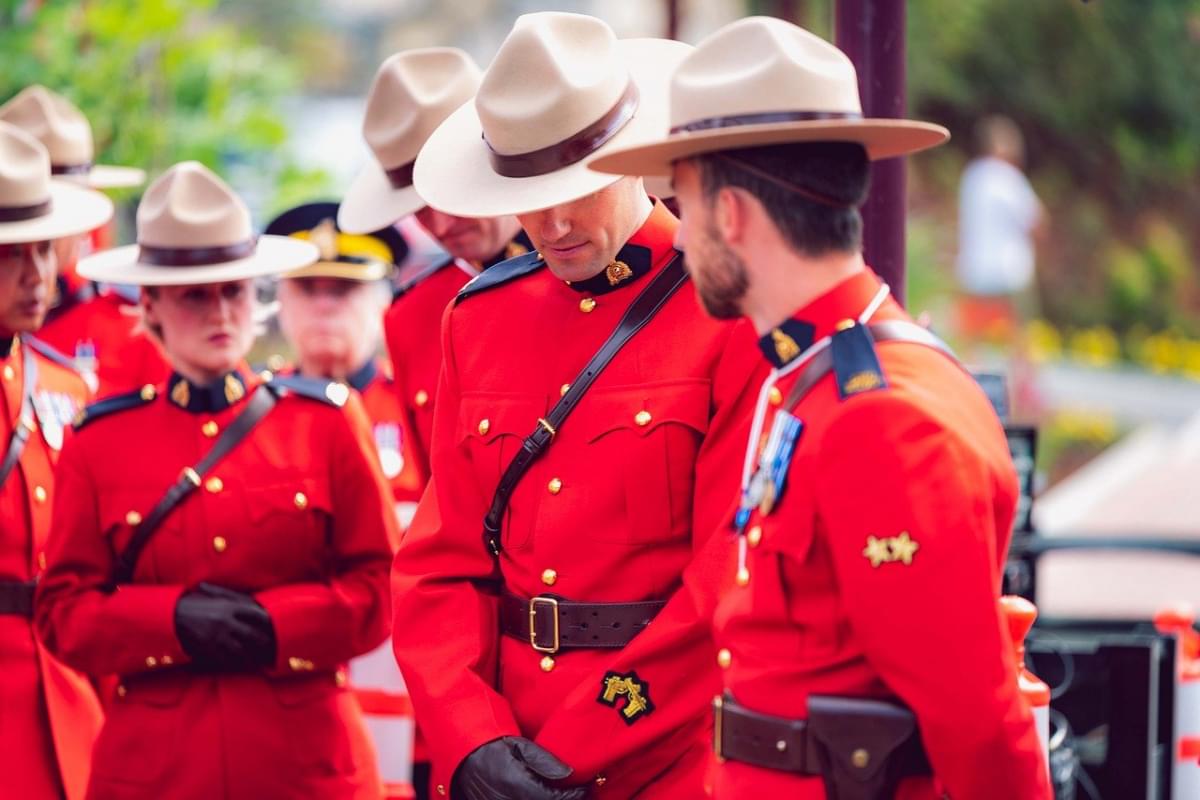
267	532
49	715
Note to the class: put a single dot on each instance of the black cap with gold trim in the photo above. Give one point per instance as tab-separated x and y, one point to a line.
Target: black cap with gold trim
355	257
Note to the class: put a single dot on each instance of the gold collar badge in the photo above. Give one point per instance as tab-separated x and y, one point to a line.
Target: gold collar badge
618	271
785	346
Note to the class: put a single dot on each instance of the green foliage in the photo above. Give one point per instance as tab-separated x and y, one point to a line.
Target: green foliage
160	80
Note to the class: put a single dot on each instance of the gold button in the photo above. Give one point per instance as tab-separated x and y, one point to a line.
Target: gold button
643	418
601	780
743	577
549	577
845	324
8	372
484	427
421	398
562	390
121	690
148	392
151	662
266	376
214	484
209	429
133	518
860	758
301	500
724	658
167	661
441	789
220	544
775	396
587	305
339	679
42	560
555	486
754	536
547	663
39	494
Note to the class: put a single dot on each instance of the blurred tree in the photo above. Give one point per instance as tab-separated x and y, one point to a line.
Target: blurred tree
160	80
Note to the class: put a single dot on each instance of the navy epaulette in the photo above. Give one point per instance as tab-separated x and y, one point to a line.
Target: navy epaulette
420	277
111	405
500	274
49	352
326	391
856	365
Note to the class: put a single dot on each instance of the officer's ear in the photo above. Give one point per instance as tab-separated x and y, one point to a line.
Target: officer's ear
731	214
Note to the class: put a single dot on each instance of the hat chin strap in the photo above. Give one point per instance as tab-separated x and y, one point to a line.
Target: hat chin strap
571	150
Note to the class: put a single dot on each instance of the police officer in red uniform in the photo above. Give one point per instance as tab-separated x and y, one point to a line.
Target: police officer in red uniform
413	92
331	314
557	651
862	650
221	541
95	326
51	713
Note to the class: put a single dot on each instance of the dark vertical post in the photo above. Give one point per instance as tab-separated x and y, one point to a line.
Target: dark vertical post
672	19
872	33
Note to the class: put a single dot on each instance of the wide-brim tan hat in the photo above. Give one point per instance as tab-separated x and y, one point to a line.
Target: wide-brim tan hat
559	84
67	135
763	81
413	92
34	207
193	229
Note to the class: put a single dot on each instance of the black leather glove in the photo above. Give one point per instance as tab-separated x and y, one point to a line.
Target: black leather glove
224	630
512	768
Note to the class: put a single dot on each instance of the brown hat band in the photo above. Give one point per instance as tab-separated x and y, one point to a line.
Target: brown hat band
571	150
21	213
71	169
401	177
766	118
195	256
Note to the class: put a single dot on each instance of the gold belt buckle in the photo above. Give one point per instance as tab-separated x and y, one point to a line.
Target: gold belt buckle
533	637
718	705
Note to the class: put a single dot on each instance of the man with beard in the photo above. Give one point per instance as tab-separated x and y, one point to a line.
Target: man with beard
862	649
413	92
586	437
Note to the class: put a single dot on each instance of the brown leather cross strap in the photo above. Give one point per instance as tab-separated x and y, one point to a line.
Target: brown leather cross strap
16	598
640	311
882	332
26	421
261	402
22	213
571	150
195	256
862	746
550	624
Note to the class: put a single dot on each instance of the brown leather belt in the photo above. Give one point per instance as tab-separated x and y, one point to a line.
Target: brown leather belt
788	745
550	624
16	597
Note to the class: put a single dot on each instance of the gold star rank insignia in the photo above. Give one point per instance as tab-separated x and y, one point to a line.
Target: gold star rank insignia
636	692
890	549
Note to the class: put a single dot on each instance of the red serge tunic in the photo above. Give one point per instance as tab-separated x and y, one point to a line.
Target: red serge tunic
297	514
877	572
50	714
636	479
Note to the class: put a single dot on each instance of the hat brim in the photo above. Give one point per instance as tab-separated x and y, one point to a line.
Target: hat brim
74	210
882	138
373	271
372	203
103	176
273	255
454	173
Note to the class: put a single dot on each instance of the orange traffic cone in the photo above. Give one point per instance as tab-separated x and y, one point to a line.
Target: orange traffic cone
1020	614
1180	621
